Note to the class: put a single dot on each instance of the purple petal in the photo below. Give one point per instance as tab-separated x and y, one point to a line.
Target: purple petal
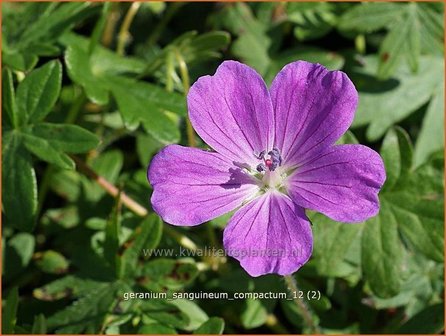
313	107
192	186
342	183
269	235
232	112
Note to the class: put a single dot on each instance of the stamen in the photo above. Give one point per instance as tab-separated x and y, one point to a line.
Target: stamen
261	155
261	167
274	160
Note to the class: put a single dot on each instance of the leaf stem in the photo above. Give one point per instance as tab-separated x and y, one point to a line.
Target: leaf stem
73	112
110	188
302	307
184	72
124	34
170	72
45	182
99	27
110	25
169	13
126	200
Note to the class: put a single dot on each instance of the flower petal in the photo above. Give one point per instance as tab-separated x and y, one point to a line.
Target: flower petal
192	186
342	183
232	112
313	107
269	235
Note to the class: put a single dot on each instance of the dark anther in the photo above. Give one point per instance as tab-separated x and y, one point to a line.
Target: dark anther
275	157
271	163
261	167
261	155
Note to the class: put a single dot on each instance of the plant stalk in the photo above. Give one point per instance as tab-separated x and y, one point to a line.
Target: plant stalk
45	182
124	34
184	72
126	200
302	307
169	13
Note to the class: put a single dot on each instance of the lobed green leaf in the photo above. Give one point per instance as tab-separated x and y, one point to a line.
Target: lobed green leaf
38	92
18	175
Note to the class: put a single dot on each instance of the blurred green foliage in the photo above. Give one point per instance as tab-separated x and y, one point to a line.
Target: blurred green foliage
107	82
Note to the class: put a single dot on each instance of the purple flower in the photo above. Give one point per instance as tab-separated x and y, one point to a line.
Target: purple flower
275	156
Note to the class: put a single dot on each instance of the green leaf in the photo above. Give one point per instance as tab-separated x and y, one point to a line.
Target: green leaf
370	16
331	60
253	43
413	44
152	95
138	102
107	165
44	150
19	61
17	254
49	27
31	30
396	152
18	175
193	48
313	20
8	99
418	206
146	103
9	316
38	92
115	321
66	184
393	47
52	262
194	313
88	313
348	138
418	288
205	46
254	315
432	29
213	326
66	138
79	70
147	236
146	147
382	253
431	137
156	329
112	230
99	27
404	38
411	206
68	286
328	253
164	312
384	103
428	321
167	273
102	61
39	325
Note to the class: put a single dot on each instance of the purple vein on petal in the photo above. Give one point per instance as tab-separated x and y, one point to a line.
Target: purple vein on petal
317	168
237	123
223	132
255	217
316	194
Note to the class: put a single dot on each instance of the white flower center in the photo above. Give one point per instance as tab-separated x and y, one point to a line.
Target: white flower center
274	179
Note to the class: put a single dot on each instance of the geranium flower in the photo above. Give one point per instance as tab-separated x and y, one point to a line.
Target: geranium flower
274	156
